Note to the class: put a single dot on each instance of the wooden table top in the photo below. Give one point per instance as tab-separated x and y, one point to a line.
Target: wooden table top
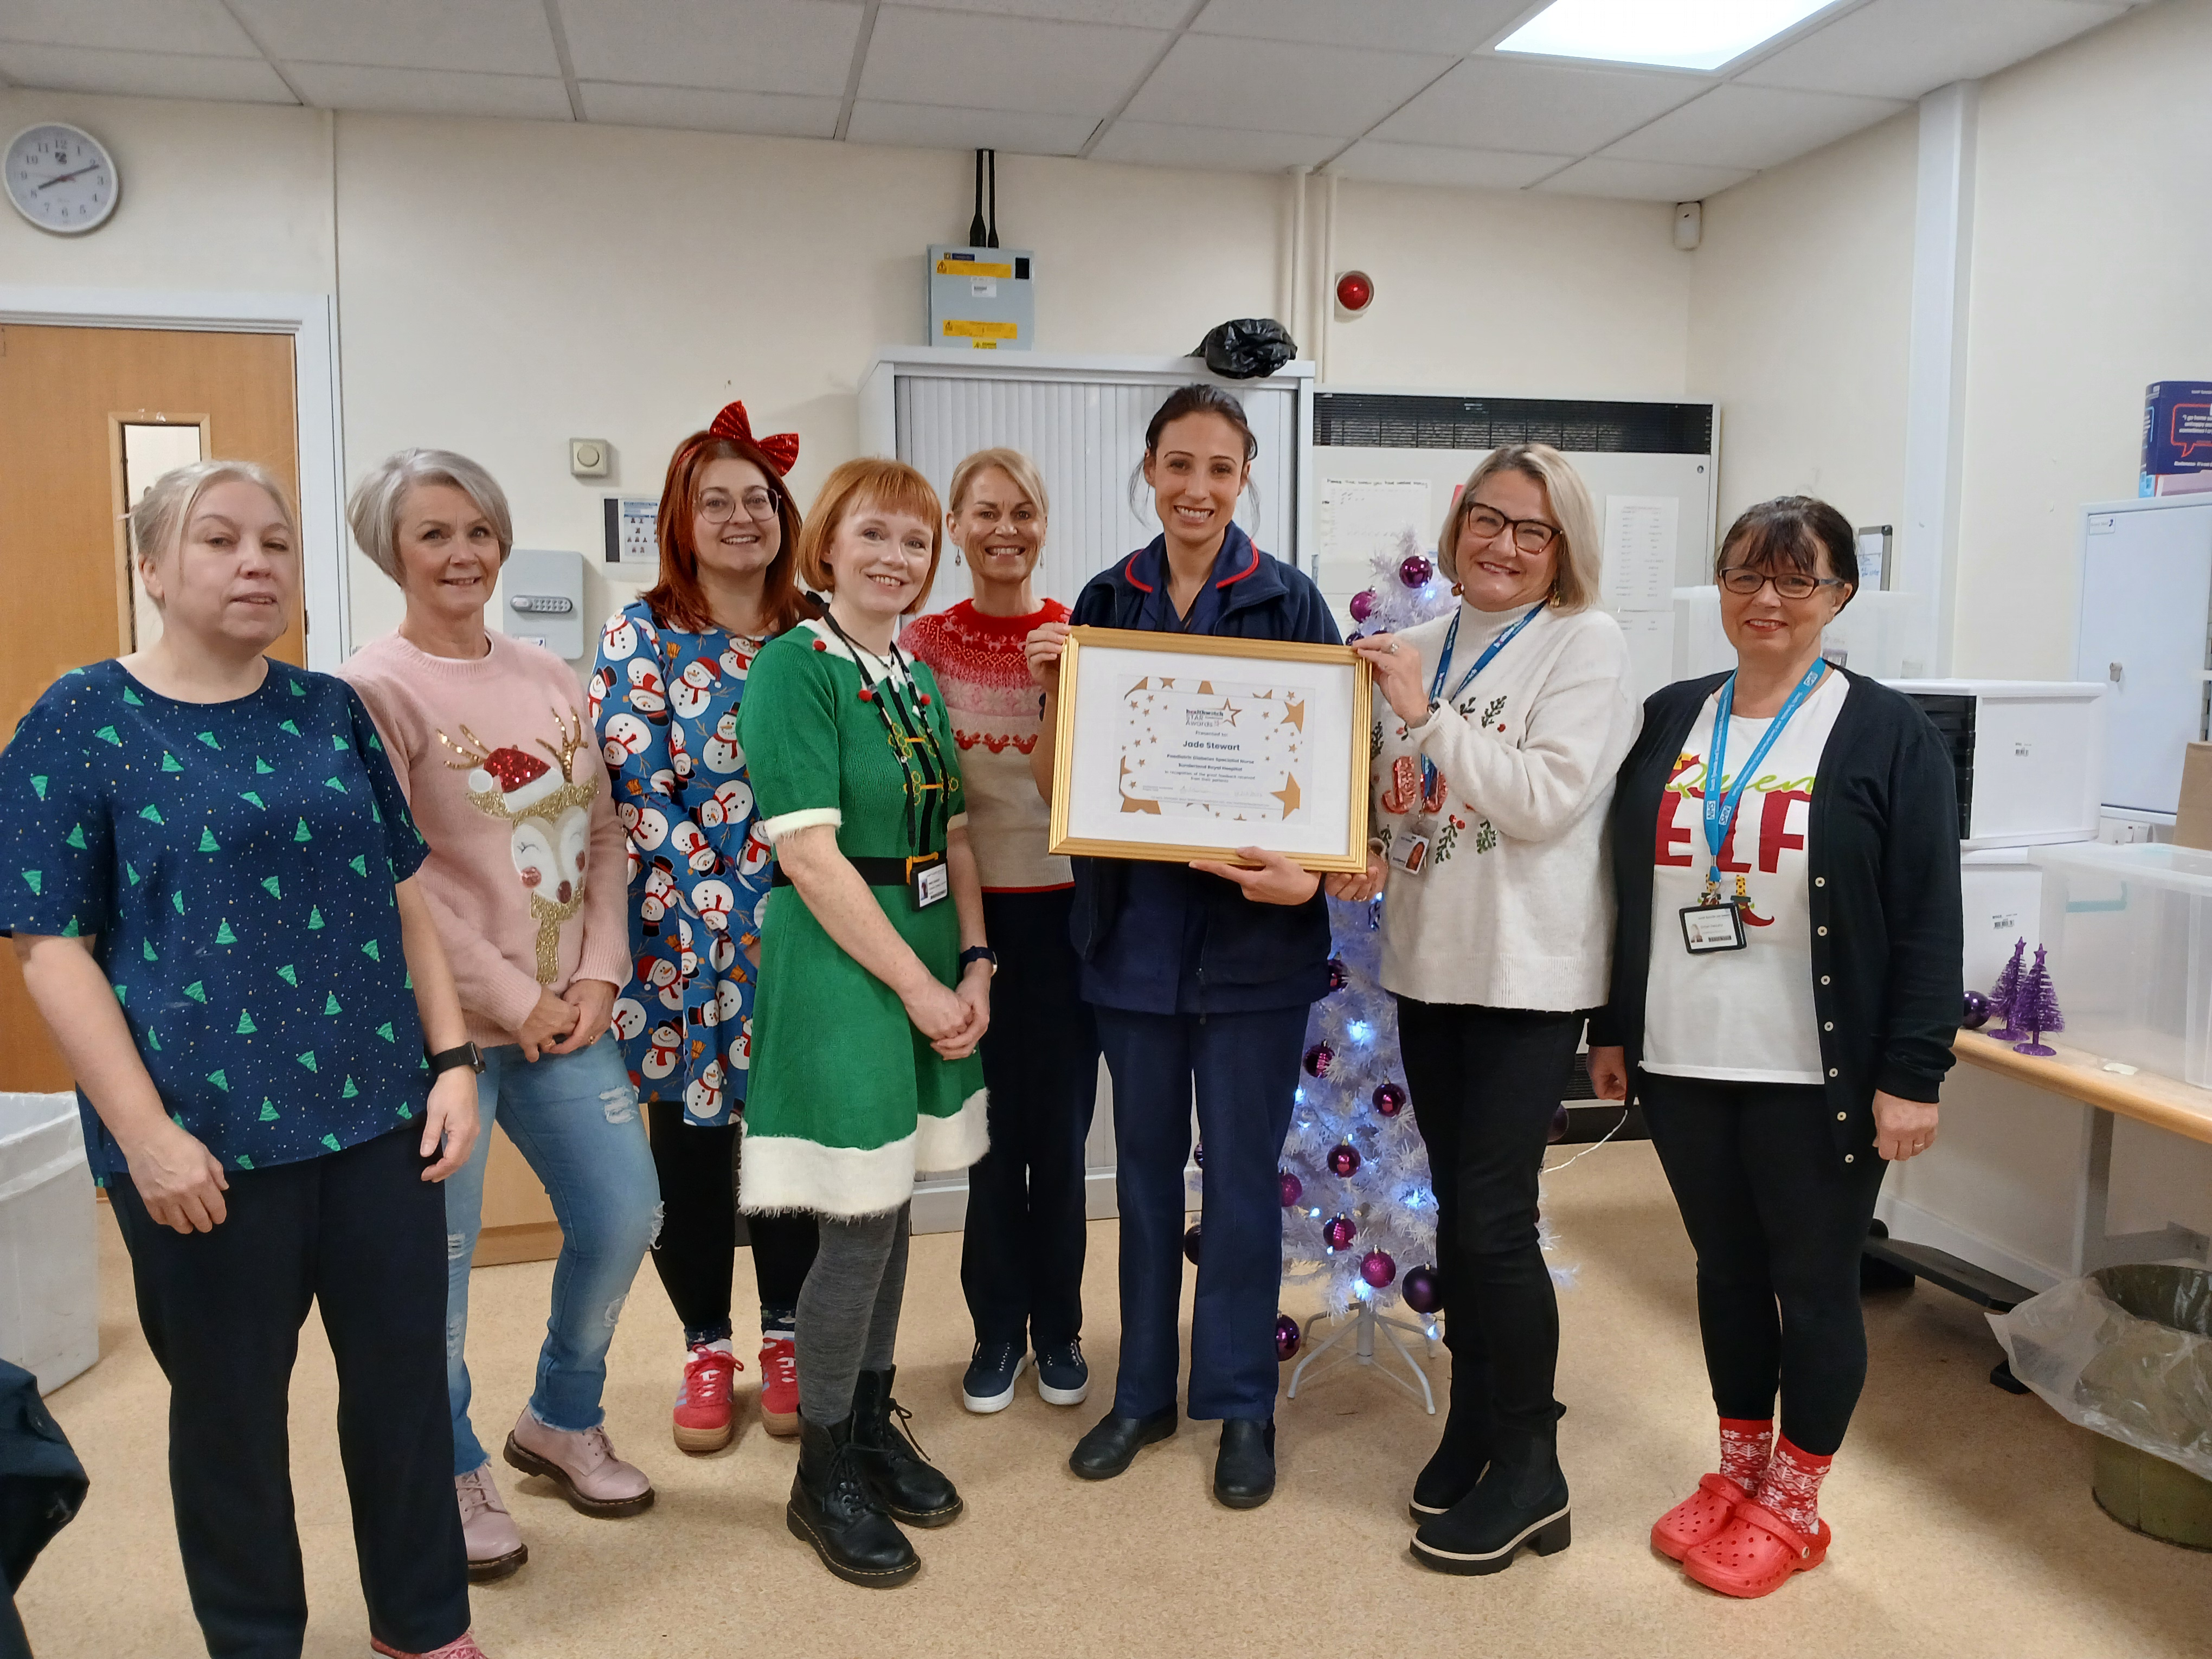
2166	1103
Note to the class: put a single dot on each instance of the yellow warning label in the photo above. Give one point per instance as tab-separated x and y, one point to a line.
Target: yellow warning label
986	345
960	328
971	268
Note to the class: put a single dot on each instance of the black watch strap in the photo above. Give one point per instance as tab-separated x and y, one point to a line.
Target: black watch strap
449	1059
979	953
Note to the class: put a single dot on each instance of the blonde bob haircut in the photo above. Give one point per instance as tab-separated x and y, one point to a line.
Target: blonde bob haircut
381	496
1012	462
158	521
870	482
1575	573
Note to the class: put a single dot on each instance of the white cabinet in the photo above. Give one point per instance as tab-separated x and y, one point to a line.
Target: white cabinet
2146	607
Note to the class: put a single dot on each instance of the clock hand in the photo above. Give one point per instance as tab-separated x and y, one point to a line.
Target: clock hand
64	177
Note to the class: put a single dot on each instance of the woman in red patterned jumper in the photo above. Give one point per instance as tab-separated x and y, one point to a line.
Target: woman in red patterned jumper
1021	1262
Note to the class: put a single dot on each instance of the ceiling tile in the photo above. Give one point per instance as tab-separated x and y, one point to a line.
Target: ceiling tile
796	46
496	37
431	92
1452	25
1903	48
929	126
701	110
1495	103
1170	144
1644	181
201	26
1269	86
968	60
1433	164
1733	126
144	74
1137	14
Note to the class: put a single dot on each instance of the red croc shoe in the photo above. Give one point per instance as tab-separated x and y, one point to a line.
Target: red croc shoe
1756	1553
1697	1517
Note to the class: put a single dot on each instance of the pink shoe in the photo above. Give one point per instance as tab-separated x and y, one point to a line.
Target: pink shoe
463	1646
704	1419
495	1542
779	1395
582	1464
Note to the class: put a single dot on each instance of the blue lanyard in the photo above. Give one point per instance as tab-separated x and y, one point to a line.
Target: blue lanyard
1443	666
1720	809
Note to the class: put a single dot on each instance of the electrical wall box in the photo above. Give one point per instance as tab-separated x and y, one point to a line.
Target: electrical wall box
2028	756
981	298
541	600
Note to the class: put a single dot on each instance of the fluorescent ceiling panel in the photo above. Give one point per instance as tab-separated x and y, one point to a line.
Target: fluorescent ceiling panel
1690	34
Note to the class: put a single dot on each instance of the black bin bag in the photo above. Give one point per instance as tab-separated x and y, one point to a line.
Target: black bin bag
1249	348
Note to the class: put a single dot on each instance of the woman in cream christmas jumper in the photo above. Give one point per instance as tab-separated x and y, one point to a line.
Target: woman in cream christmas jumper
1493	768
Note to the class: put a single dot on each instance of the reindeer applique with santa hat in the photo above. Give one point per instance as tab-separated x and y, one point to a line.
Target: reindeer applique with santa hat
549	809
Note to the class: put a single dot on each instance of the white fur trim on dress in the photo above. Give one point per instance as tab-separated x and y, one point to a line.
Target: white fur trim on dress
955	1142
781	1174
776	829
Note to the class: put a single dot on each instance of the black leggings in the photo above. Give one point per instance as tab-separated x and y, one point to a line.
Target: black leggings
1778	1220
1485	1083
699	1229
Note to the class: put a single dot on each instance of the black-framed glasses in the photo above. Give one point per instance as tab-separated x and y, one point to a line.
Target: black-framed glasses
718	507
1529	535
1744	581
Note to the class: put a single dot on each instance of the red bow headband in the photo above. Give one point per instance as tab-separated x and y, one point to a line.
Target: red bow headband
781	448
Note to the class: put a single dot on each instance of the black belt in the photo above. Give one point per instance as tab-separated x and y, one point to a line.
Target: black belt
877	872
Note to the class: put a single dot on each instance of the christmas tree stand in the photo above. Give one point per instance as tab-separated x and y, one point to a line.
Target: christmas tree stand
1361	1324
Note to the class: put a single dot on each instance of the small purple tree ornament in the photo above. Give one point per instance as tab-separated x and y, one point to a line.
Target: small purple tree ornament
2004	992
2035	1010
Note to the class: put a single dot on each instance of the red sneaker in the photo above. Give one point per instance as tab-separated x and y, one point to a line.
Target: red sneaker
778	1393
1697	1517
463	1646
705	1419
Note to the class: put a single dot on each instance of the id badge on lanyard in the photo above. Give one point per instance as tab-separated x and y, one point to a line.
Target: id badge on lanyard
1409	848
1714	924
927	884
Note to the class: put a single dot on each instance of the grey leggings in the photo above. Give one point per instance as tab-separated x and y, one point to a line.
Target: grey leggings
848	1310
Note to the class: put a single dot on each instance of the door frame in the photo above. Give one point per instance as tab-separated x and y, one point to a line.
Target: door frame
312	321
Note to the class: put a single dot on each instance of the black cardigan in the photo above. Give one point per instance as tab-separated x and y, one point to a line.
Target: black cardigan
1882	854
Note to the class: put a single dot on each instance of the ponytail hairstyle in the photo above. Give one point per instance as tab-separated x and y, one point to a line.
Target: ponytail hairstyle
1198	398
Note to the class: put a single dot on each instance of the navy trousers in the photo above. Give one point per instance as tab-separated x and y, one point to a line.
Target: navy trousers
1245	1067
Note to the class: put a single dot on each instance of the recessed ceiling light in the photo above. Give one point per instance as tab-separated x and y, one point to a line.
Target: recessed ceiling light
1691	35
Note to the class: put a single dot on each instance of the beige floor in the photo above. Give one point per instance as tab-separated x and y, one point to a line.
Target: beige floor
1964	1515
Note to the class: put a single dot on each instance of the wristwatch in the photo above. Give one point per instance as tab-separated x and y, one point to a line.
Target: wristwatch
979	953
449	1059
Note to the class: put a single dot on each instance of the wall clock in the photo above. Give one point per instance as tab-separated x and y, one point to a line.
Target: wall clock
61	178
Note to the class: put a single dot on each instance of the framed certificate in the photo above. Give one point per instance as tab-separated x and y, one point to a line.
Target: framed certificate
1175	747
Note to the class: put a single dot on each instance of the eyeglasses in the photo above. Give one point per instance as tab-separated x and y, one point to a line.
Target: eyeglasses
1742	580
716	508
1529	535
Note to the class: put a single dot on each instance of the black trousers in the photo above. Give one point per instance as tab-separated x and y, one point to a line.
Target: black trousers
1778	1221
1485	1083
693	1251
1021	1261
362	1236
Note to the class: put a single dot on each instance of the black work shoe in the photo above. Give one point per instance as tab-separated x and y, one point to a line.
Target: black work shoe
1113	1442
832	1508
1522	1498
1244	1468
1464	1452
902	1480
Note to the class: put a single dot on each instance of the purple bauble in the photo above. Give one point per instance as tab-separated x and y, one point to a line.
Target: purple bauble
1343	1159
1557	1132
1190	1242
1337	1232
1977	1013
1339	974
1377	1269
1415	569
1363	604
1288	1337
1422	1292
1292	1187
1319	1059
1389	1098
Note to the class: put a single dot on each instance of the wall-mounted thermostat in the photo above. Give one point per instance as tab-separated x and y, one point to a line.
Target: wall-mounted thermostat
981	298
541	600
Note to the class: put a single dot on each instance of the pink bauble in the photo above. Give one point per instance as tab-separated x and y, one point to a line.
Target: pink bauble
1415	569
1377	1269
1390	1099
1190	1242
1343	1159
1339	974
1422	1292
1319	1059
1292	1189
1288	1337
1363	604
1337	1232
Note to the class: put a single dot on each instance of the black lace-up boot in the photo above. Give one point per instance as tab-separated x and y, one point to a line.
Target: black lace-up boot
904	1481
832	1508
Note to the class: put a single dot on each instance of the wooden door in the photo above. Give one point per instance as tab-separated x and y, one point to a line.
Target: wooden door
66	395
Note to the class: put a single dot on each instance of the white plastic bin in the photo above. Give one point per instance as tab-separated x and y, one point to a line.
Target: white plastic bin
49	1249
2129	933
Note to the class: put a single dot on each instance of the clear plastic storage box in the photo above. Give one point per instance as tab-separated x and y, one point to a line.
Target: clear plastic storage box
2130	934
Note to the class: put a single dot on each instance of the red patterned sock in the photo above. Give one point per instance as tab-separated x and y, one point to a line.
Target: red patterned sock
1791	1485
1744	1447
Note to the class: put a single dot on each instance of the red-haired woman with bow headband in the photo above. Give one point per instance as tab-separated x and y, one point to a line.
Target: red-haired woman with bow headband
664	696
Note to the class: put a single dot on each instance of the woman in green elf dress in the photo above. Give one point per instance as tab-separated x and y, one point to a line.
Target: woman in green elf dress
875	990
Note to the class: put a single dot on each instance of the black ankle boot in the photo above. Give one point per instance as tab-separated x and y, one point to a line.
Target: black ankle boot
902	1480
1522	1498
832	1508
1244	1467
1470	1429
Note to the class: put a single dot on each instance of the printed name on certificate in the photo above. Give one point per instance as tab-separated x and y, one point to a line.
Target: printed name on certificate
1212	749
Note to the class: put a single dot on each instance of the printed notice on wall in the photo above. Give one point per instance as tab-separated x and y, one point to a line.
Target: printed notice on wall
1362	517
1639	552
1650	636
632	530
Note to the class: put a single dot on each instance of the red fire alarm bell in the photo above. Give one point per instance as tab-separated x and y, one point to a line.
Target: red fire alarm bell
1355	291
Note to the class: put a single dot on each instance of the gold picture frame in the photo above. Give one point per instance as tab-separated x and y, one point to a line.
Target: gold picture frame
1077	815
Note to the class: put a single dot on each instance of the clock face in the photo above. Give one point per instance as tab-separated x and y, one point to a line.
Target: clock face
61	179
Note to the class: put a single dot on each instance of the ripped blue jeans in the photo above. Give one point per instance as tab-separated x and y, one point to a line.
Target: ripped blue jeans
576	1121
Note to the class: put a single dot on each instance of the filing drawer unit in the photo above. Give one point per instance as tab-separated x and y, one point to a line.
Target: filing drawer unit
2027	755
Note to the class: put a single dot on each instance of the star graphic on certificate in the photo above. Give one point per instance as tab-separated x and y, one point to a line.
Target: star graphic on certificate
1288	795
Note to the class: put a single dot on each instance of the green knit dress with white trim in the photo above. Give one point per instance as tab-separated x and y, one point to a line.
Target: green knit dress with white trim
848	1099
